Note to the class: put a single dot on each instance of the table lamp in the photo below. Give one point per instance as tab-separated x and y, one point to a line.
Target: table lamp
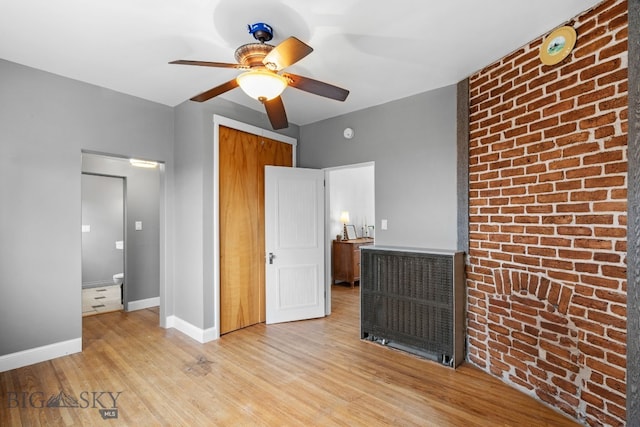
344	219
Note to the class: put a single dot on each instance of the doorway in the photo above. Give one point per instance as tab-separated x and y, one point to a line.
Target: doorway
243	157
349	188
139	244
103	213
220	260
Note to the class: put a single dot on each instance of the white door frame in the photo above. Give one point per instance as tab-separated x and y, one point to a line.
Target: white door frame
244	127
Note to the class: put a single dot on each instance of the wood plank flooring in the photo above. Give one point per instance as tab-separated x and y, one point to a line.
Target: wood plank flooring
315	372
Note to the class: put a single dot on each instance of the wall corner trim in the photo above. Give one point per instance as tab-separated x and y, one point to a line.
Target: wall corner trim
198	334
462	132
40	354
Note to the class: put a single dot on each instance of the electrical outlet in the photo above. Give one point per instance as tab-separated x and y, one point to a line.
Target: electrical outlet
383	224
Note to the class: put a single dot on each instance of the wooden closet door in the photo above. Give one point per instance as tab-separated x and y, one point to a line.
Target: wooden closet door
242	158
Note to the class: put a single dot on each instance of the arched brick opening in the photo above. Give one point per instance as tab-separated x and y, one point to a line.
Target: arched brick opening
532	341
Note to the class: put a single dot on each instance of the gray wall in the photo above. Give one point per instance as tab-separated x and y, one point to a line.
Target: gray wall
194	203
103	215
45	123
413	144
142	204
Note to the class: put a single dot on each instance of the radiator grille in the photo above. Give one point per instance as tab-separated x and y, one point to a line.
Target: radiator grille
407	300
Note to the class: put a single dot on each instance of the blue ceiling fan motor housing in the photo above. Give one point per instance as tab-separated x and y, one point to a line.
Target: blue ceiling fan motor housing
261	31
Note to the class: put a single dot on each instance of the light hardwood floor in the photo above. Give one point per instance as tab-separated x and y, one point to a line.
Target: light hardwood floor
307	373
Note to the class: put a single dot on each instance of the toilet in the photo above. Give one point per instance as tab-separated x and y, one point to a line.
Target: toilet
118	279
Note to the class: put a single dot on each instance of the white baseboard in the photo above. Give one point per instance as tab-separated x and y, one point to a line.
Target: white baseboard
143	303
39	354
198	334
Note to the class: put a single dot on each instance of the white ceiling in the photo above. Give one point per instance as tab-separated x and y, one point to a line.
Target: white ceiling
379	50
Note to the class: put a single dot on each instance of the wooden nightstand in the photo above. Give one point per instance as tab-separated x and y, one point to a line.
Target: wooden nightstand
345	255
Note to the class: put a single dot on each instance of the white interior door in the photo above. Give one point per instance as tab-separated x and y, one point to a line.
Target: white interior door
294	243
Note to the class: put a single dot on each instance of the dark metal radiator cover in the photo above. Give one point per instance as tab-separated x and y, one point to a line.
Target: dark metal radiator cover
414	300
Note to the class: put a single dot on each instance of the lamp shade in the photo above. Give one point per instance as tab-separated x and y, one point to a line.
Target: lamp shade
262	84
344	217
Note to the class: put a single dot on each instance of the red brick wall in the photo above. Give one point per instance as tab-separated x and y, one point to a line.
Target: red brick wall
546	271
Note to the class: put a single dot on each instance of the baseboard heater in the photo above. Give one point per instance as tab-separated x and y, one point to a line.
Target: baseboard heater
413	300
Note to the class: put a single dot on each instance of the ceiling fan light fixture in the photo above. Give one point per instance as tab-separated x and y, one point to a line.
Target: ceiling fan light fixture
262	85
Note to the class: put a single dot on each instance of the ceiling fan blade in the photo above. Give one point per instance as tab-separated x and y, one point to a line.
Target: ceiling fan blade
209	64
287	53
277	114
218	90
316	87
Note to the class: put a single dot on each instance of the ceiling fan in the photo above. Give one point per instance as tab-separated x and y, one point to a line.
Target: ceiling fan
261	80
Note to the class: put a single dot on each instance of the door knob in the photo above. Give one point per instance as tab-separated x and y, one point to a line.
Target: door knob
271	257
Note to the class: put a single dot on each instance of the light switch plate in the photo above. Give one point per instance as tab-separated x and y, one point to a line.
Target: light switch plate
383	224
138	225
86	228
